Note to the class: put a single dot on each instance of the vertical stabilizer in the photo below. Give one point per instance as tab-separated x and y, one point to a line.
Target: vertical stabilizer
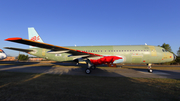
34	36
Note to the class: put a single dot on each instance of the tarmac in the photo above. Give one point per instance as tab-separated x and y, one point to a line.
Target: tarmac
72	69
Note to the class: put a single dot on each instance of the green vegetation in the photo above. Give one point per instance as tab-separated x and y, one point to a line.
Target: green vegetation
178	52
28	86
167	47
23	57
177	60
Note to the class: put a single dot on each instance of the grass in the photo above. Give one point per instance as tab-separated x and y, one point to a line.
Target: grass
48	87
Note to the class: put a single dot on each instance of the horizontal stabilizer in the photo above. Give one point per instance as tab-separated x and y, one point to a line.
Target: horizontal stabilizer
19	49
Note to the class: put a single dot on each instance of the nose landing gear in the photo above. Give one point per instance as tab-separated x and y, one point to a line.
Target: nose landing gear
149	68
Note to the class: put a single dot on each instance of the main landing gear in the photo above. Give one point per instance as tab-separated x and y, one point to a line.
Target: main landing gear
149	68
90	67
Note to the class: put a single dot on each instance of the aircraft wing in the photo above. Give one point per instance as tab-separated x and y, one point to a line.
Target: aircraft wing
19	49
54	48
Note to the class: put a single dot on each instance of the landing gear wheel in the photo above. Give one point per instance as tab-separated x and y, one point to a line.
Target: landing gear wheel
93	67
150	70
88	71
77	64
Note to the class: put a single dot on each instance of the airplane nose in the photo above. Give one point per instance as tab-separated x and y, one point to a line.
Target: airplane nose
174	57
4	56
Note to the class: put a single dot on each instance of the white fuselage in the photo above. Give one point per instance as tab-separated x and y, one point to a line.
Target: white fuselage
2	56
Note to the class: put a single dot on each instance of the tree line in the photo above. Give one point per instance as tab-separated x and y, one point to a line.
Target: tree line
23	57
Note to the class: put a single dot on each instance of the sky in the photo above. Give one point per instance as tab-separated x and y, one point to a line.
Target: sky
91	22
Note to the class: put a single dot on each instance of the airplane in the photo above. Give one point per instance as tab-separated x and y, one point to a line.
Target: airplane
2	54
93	55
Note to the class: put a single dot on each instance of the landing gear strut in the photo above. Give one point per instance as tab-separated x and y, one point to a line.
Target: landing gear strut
90	67
149	68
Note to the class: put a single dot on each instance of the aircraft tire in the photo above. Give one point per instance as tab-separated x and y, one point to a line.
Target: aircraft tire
150	70
88	71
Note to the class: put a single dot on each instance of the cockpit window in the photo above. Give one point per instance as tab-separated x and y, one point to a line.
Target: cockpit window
164	50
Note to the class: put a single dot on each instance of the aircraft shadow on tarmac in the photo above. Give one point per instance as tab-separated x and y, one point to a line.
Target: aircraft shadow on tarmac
57	68
80	70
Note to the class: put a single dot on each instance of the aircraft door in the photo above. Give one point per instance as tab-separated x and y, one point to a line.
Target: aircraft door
43	52
153	51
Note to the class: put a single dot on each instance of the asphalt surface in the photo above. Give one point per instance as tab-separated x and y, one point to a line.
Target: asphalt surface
71	69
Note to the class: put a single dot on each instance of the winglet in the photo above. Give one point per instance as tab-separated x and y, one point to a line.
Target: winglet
13	39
